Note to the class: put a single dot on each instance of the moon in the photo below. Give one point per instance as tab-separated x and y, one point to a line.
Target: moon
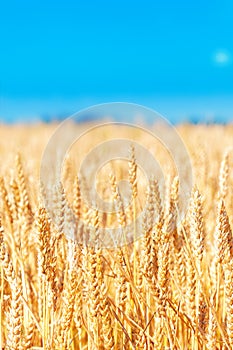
222	57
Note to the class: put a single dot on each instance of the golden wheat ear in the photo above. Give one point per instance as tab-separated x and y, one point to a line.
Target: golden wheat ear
25	205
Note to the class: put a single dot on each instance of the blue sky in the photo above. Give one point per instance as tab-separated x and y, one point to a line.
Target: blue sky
60	56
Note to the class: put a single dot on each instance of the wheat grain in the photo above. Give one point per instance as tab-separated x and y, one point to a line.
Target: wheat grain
170	289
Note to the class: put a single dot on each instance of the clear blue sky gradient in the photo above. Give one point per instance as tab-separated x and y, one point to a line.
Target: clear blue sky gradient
62	55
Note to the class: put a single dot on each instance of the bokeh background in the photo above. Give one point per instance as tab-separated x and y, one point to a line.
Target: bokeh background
57	57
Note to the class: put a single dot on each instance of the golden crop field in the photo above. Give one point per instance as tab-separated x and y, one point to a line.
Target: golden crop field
168	287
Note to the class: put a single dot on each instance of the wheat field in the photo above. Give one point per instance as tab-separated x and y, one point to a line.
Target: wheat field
170	288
